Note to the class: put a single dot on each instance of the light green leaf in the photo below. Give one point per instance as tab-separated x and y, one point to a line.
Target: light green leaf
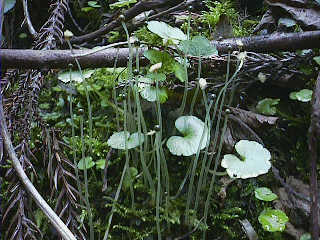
148	90
86	163
8	5
131	173
198	46
180	72
86	9
273	220
100	164
117	140
165	31
122	3
75	75
94	4
266	106
304	95
265	194
288	22
317	58
254	160
191	128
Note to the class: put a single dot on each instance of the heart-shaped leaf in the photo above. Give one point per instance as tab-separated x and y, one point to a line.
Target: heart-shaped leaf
165	31
75	76
118	139
192	128
254	160
148	90
86	163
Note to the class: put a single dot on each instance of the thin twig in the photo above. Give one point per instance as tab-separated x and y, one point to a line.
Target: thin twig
31	29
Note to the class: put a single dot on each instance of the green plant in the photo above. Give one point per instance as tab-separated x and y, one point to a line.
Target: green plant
272	220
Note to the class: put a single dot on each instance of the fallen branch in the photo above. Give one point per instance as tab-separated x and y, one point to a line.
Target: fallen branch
61	228
37	59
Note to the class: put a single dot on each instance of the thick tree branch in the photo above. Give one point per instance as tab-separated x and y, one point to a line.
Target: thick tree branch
11	58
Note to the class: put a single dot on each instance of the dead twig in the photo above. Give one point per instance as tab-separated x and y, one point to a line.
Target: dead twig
47	210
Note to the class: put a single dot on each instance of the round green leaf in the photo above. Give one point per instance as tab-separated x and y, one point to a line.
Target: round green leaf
75	75
165	31
191	127
254	160
266	106
86	163
273	220
198	46
265	194
149	92
117	140
304	95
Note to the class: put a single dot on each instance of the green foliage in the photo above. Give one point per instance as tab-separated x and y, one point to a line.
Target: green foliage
152	192
122	3
273	220
304	95
86	163
144	35
265	194
198	46
253	160
123	140
267	106
226	7
216	9
166	32
195	135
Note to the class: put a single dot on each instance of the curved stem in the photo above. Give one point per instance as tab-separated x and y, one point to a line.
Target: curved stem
58	224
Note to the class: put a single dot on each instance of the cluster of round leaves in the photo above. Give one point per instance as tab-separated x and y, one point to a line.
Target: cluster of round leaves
272	220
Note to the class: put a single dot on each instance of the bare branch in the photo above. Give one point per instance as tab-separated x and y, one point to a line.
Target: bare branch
14	58
47	210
